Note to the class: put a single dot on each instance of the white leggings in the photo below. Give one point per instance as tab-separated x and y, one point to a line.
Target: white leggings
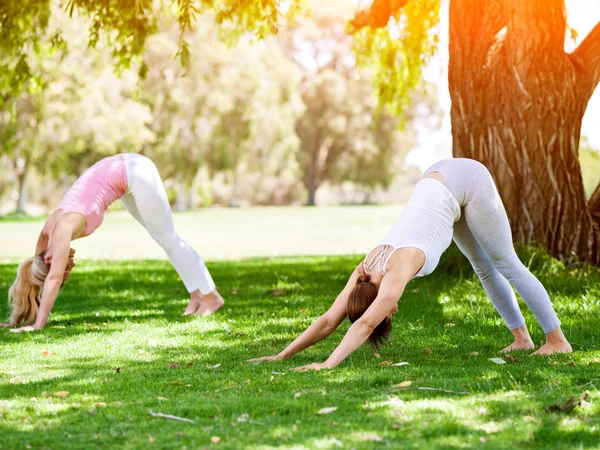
146	200
483	235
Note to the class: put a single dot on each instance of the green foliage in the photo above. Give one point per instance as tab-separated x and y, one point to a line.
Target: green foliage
126	24
397	52
119	347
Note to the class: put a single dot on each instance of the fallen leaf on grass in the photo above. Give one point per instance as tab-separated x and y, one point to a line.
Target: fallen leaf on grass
428	350
297	394
46	353
278	292
327	410
377	355
398	364
570	404
61	394
215	439
370	437
384	363
403	384
190	364
474	353
102	404
216	366
295	427
118	370
95	327
243	418
497	360
174	366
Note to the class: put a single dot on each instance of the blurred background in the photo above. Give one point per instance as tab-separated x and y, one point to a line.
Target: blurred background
292	119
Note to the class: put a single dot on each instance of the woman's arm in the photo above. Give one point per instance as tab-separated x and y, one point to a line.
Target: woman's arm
320	328
61	253
390	291
42	242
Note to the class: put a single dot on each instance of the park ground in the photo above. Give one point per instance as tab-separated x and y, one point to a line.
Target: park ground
117	350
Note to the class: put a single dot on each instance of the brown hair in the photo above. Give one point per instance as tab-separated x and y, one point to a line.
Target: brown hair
25	293
361	297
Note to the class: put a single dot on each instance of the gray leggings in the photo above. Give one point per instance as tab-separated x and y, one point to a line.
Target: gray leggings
483	235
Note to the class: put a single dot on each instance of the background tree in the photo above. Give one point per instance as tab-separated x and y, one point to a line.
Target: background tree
517	105
75	110
343	137
231	111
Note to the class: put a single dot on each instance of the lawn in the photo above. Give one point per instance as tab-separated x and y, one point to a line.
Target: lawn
117	344
223	233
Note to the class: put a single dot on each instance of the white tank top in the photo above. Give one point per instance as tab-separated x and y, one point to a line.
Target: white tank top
426	223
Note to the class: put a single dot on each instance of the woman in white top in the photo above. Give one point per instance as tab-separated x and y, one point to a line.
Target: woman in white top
456	199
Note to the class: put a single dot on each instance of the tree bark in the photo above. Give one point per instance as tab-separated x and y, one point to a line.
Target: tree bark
517	105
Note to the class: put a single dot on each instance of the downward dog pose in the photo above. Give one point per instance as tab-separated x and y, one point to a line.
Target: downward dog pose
456	199
135	180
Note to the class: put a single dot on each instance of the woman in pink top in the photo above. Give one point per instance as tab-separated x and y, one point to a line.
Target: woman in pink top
135	180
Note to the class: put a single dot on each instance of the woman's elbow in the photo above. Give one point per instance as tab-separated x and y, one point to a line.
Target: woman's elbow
366	325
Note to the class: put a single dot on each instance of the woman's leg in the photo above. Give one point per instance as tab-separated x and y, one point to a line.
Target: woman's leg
146	200
496	286
486	218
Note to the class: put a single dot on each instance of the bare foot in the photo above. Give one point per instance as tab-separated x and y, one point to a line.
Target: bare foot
556	342
519	345
210	304
195	303
550	348
522	340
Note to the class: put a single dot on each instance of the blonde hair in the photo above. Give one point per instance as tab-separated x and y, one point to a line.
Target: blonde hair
25	293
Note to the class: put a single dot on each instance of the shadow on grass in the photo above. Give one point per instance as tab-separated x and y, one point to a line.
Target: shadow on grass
119	371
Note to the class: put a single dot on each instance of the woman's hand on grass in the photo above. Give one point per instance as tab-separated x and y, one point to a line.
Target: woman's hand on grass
24	329
277	357
313	366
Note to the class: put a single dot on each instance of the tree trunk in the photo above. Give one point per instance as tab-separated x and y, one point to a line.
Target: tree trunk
517	105
22	192
180	197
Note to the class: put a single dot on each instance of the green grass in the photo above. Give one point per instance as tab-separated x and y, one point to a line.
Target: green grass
116	328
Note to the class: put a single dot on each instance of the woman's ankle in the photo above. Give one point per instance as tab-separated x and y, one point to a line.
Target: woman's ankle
556	337
521	334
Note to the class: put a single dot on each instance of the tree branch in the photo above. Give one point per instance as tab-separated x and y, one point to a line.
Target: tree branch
594	205
377	15
587	59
